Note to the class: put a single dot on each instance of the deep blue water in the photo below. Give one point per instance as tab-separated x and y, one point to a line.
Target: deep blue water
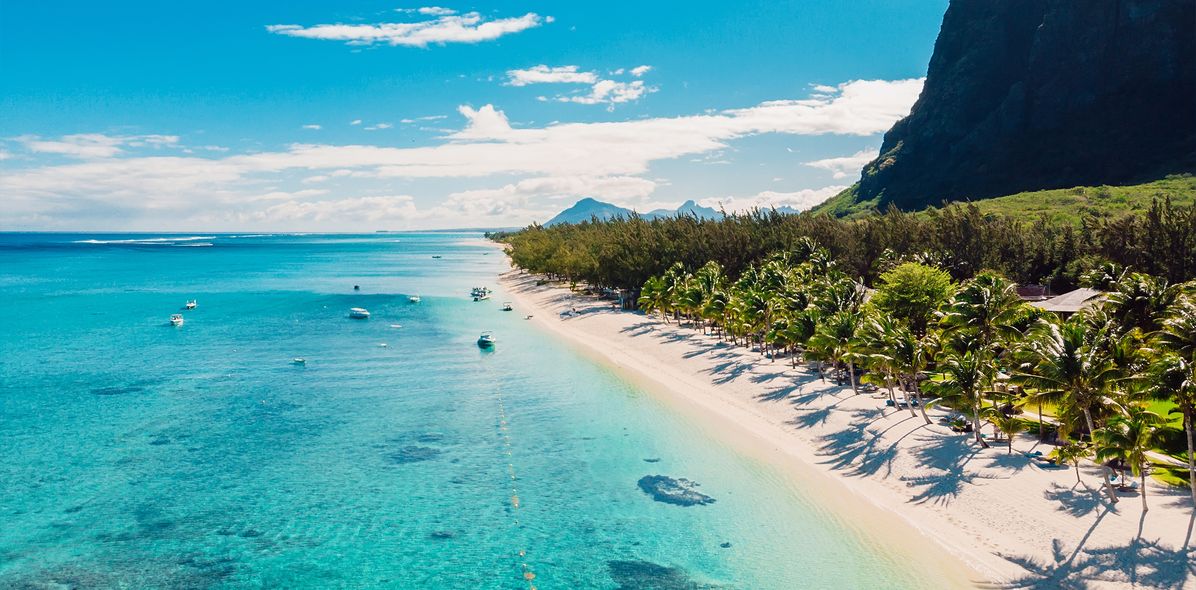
134	454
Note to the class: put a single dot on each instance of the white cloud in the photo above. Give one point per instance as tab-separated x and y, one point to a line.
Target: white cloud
94	145
602	91
799	200
436	11
355	122
378	126
845	166
557	159
610	92
543	74
312	126
471	27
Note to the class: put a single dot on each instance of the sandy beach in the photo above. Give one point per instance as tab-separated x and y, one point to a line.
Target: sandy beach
1003	520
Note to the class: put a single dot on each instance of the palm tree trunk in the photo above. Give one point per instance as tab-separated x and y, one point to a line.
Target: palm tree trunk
1041	432
851	375
1142	474
912	413
1104	471
1077	471
921	403
1188	418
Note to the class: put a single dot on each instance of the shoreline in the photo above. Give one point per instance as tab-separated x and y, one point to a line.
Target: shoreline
883	473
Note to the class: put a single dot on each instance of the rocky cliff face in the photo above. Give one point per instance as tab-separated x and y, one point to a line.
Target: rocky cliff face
1036	94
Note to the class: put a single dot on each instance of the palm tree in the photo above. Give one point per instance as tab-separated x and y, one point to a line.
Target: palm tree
654	297
1173	377
1071	453
1066	369
1174	370
1008	424
960	384
1128	437
835	340
880	338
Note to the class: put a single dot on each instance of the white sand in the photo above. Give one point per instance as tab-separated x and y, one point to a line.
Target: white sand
1009	522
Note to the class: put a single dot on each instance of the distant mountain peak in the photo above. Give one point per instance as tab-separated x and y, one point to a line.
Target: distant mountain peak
588	208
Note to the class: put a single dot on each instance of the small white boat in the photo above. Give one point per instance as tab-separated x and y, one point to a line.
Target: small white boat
396	326
299	361
176	319
359	313
414	299
486	340
191	304
507	306
482	297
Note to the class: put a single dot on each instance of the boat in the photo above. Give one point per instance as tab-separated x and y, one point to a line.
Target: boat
176	319
359	313
191	304
299	361
414	299
486	340
481	297
435	256
506	306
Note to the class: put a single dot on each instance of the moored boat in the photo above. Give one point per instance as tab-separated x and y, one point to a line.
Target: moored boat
191	304
359	313
176	319
486	340
414	299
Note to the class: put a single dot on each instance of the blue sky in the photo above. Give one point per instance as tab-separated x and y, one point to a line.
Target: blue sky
370	115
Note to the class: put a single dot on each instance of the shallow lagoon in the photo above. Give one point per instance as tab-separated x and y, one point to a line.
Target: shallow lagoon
140	455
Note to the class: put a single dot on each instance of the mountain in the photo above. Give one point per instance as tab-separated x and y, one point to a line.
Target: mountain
691	208
1025	95
588	208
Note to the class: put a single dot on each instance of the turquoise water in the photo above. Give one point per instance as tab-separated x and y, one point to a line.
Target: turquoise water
139	455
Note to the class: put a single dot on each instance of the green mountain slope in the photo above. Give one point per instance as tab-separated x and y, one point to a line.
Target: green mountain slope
1065	204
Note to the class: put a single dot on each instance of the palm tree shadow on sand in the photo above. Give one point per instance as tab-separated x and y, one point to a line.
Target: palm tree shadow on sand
1140	562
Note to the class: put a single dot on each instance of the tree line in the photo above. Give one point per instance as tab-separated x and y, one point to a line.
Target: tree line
623	252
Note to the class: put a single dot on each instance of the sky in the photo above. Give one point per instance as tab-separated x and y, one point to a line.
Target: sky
366	115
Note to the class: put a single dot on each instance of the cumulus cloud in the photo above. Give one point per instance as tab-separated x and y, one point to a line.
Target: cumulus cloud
610	92
845	166
602	91
797	200
470	27
566	159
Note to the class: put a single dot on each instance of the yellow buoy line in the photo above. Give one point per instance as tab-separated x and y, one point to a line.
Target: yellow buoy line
528	575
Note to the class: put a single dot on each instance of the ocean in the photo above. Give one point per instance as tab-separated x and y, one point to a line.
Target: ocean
136	454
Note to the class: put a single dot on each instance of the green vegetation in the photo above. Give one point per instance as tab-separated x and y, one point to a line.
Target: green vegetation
934	323
1066	205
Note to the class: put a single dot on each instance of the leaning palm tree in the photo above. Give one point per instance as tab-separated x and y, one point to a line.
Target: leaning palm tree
1128	437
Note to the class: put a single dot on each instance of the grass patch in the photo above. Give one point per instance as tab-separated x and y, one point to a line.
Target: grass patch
1061	205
